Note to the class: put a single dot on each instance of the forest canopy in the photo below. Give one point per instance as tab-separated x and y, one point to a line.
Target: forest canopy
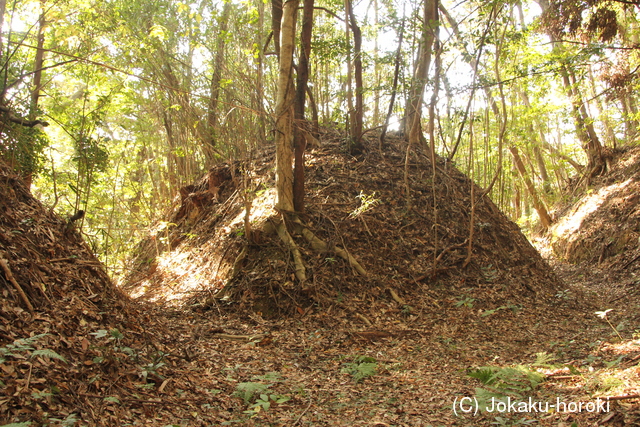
112	106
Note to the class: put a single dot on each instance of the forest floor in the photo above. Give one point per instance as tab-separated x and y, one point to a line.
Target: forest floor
394	348
412	369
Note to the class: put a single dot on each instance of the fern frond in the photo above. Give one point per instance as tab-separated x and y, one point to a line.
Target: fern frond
49	354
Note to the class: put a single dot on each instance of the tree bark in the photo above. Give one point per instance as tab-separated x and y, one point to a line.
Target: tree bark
37	66
212	114
545	219
394	86
584	126
413	114
284	108
583	123
262	127
276	22
358	113
299	130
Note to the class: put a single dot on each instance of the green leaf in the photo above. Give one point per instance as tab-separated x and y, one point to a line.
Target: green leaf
484	374
48	353
158	32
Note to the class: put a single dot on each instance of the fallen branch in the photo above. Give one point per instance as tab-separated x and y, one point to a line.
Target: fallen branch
445	250
396	298
629	396
7	272
634	259
372	335
364	319
247	338
562	377
303	412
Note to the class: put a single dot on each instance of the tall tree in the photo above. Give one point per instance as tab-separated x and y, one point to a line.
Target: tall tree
284	108
413	113
356	113
394	85
602	21
216	78
300	130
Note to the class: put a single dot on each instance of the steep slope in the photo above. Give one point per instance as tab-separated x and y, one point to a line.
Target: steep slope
73	350
603	222
596	237
54	288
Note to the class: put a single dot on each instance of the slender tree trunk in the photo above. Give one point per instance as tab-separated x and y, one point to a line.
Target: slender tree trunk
584	126
212	114
262	127
605	119
414	112
517	203
583	123
37	66
545	219
358	113
629	112
276	22
300	128
284	108
315	129
4	56
376	69
394	86
436	89
542	167
432	142
349	83
3	9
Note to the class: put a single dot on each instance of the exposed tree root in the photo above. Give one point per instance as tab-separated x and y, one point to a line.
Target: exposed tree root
7	272
317	245
300	270
320	246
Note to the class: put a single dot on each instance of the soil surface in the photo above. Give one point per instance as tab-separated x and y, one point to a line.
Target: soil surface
215	338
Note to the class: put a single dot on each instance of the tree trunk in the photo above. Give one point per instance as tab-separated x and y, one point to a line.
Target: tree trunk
3	9
545	219
212	114
542	167
376	67
262	128
357	114
299	129
284	108
583	123
414	108
584	126
394	86
348	83
276	22
37	66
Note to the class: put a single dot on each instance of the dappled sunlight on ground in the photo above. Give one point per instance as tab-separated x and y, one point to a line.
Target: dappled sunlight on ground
569	224
183	270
